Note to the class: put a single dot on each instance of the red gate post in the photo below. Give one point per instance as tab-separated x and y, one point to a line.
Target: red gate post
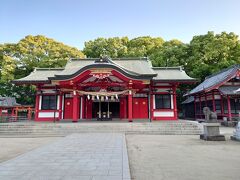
130	106
75	106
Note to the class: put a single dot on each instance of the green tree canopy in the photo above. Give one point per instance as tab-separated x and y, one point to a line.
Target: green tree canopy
40	51
18	60
144	46
172	53
113	47
204	55
210	53
122	47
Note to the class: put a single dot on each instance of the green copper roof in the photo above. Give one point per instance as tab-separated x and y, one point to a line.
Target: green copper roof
171	74
138	68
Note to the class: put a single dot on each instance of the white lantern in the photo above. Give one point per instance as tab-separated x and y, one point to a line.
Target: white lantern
88	96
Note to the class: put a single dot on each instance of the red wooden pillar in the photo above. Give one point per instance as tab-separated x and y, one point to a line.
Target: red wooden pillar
151	106
206	100
174	102
0	111
37	106
222	106
195	107
89	108
229	108
75	106
16	112
151	102
60	106
123	108
130	106
213	102
200	105
83	107
29	110
13	111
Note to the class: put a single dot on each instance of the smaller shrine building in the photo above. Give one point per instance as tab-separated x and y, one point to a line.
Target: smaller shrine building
10	108
104	88
220	92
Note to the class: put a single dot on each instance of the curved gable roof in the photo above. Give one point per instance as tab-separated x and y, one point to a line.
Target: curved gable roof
138	68
216	80
134	68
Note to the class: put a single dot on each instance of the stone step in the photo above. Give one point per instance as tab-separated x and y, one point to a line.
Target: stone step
76	130
64	134
61	129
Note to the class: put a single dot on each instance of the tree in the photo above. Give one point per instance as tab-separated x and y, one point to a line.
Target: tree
122	47
144	46
18	60
112	47
7	62
172	53
40	51
8	68
210	53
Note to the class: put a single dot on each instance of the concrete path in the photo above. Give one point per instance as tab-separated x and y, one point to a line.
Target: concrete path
96	156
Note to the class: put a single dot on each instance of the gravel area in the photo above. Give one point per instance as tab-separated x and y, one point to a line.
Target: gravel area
172	157
12	147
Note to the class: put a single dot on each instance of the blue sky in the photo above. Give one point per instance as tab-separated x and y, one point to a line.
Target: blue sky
75	21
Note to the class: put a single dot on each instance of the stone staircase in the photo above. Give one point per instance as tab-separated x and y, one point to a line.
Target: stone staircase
41	129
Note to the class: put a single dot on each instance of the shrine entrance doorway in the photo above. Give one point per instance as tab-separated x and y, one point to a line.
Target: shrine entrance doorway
105	110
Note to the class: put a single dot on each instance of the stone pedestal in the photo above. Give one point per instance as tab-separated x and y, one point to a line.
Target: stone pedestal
236	133
212	132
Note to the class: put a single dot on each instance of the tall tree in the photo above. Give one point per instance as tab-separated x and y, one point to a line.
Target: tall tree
172	53
7	62
18	60
40	51
113	47
144	46
210	53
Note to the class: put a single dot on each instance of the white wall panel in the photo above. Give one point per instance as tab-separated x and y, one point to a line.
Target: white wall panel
47	114
163	114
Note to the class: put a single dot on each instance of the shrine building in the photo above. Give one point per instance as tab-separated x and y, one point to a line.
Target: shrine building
105	89
220	92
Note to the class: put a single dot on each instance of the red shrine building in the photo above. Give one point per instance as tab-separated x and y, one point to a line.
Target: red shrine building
104	88
220	92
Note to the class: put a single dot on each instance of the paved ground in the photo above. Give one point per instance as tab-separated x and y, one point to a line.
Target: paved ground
78	156
12	147
151	157
173	157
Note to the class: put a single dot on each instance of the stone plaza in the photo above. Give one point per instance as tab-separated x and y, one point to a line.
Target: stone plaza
121	155
77	156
